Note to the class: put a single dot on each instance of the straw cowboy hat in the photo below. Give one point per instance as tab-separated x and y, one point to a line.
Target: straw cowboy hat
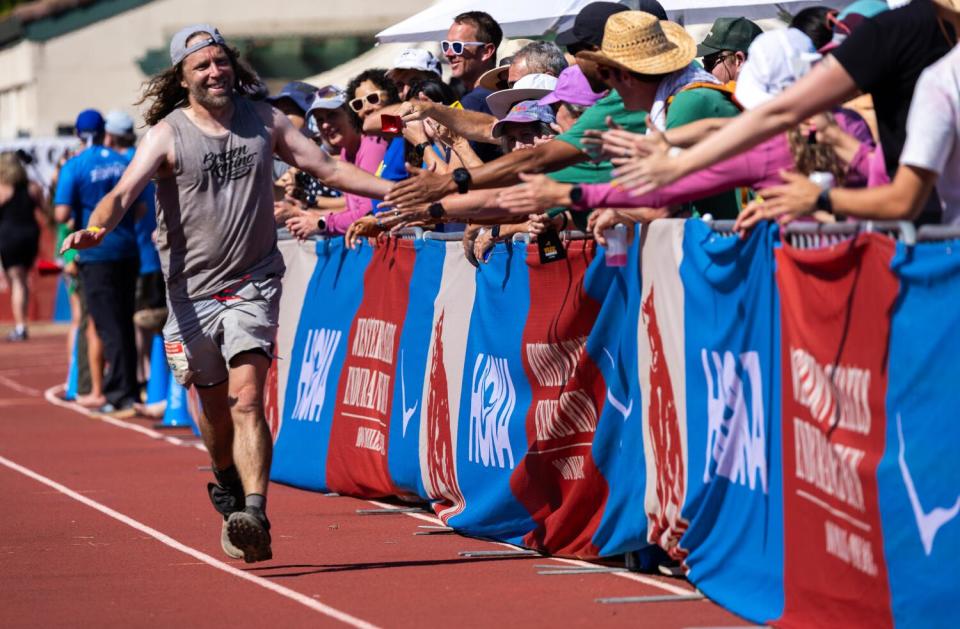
638	42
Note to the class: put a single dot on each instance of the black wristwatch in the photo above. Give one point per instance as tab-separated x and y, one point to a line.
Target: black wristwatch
576	194
461	177
495	232
322	224
436	210
420	149
823	201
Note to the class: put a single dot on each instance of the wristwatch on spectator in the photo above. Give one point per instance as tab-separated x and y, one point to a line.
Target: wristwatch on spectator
322	224
576	194
461	177
436	211
495	232
420	149
823	201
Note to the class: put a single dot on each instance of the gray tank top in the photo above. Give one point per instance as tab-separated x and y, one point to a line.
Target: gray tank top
215	214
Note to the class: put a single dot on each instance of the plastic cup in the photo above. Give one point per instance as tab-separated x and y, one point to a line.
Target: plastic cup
616	251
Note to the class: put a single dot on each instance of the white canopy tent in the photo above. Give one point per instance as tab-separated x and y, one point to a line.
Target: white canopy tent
537	19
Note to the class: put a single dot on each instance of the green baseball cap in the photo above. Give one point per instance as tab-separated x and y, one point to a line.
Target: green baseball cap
729	33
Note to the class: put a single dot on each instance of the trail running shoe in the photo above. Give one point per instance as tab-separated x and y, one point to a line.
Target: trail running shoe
226	503
249	530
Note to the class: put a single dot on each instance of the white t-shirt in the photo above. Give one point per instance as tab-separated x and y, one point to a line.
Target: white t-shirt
933	130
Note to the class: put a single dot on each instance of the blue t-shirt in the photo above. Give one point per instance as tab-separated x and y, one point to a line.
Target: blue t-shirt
149	258
84	180
476	100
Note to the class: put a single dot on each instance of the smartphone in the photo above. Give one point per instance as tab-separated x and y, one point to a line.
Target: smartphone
550	247
391	124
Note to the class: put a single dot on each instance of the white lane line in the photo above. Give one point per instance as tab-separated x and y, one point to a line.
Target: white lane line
19	388
51	395
303	599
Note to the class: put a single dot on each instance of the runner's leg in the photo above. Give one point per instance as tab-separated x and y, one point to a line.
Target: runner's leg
252	446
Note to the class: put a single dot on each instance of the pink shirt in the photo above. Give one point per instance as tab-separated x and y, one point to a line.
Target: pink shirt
757	168
368	158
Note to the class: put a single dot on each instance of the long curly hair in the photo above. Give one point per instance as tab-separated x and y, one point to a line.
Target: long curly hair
165	92
811	156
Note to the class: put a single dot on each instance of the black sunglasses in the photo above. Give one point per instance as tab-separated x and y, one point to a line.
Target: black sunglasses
714	59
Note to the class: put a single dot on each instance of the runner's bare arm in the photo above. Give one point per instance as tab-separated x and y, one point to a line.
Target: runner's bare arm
155	150
297	150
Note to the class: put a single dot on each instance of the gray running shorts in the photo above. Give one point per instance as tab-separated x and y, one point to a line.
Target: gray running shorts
202	336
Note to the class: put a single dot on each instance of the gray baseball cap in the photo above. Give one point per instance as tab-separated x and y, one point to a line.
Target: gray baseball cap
178	44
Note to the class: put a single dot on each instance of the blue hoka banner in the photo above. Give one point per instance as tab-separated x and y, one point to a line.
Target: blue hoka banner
404	453
919	474
333	296
618	442
494	399
732	347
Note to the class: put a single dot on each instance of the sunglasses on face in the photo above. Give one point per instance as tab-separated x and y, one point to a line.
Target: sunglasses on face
372	98
457	46
712	60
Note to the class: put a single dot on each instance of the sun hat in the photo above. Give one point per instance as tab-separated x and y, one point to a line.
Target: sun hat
525	111
589	23
416	59
729	33
118	122
532	86
572	88
496	78
775	61
638	42
178	43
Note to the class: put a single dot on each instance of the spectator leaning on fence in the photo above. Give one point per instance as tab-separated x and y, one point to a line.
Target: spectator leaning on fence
931	156
211	149
884	57
586	34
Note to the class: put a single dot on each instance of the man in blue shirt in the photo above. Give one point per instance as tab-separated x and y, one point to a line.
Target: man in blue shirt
151	300
109	272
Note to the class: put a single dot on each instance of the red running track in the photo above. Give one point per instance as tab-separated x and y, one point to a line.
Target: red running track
108	525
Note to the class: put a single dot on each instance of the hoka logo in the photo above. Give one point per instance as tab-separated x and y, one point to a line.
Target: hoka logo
318	354
736	434
492	399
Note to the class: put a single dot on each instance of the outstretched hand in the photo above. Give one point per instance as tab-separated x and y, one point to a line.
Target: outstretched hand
422	186
785	203
303	224
83	239
535	194
363	227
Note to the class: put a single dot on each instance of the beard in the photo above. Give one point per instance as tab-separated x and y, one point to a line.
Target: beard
211	101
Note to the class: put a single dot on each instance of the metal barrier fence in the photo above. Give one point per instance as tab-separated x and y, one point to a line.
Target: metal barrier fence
802	235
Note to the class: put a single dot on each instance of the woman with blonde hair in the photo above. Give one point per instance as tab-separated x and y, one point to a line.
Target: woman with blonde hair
19	237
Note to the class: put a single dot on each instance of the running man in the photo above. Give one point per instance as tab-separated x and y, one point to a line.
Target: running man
210	150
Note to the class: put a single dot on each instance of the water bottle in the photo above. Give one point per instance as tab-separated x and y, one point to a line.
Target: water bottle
616	251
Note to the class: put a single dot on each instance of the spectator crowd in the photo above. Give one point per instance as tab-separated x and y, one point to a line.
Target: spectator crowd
625	118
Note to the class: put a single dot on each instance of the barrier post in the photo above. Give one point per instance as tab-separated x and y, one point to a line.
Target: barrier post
159	384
